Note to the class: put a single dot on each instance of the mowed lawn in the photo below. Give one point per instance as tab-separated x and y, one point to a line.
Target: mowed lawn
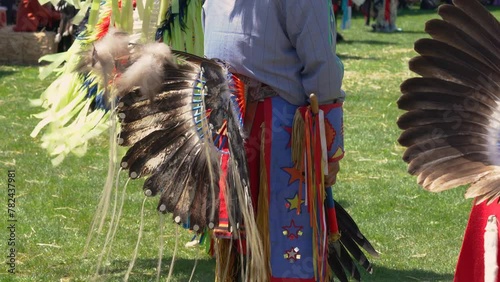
418	234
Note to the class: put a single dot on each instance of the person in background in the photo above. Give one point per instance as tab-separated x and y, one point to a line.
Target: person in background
11	13
385	13
31	17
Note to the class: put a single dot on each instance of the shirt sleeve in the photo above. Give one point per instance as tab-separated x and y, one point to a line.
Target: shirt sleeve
310	26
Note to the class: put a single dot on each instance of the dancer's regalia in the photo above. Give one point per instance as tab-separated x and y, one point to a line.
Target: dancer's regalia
385	13
184	120
75	111
452	126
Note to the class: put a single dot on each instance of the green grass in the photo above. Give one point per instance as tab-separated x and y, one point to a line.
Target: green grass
418	234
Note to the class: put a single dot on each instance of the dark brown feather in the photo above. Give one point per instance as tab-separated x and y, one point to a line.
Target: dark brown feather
169	103
436	49
452	35
201	209
334	252
184	178
171	176
165	132
165	141
446	69
441	132
133	132
454	119
415	150
444	102
349	228
440	155
463	21
478	13
434	85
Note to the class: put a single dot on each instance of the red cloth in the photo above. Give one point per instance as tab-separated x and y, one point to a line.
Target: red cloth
31	15
252	148
470	266
387	10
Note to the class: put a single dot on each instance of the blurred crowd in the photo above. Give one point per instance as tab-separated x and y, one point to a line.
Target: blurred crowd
381	15
31	16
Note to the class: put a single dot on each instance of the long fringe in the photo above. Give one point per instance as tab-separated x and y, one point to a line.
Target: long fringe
226	260
139	237
194	269
103	205
171	270
105	250
298	140
254	259
118	217
263	204
160	250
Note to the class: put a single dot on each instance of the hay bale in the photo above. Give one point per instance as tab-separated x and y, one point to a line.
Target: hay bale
25	47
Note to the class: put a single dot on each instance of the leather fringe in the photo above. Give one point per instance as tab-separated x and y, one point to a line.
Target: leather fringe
226	260
263	204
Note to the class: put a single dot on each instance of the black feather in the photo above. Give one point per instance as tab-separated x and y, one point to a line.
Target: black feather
334	262
349	228
345	254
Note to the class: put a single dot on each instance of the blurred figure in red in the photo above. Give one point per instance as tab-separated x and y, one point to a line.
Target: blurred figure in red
385	13
31	16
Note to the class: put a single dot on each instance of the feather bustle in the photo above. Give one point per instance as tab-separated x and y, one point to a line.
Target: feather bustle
452	124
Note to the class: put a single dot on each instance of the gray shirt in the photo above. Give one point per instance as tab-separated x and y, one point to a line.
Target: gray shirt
286	44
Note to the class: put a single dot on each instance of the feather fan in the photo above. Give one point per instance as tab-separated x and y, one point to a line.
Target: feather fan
170	106
452	124
173	108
